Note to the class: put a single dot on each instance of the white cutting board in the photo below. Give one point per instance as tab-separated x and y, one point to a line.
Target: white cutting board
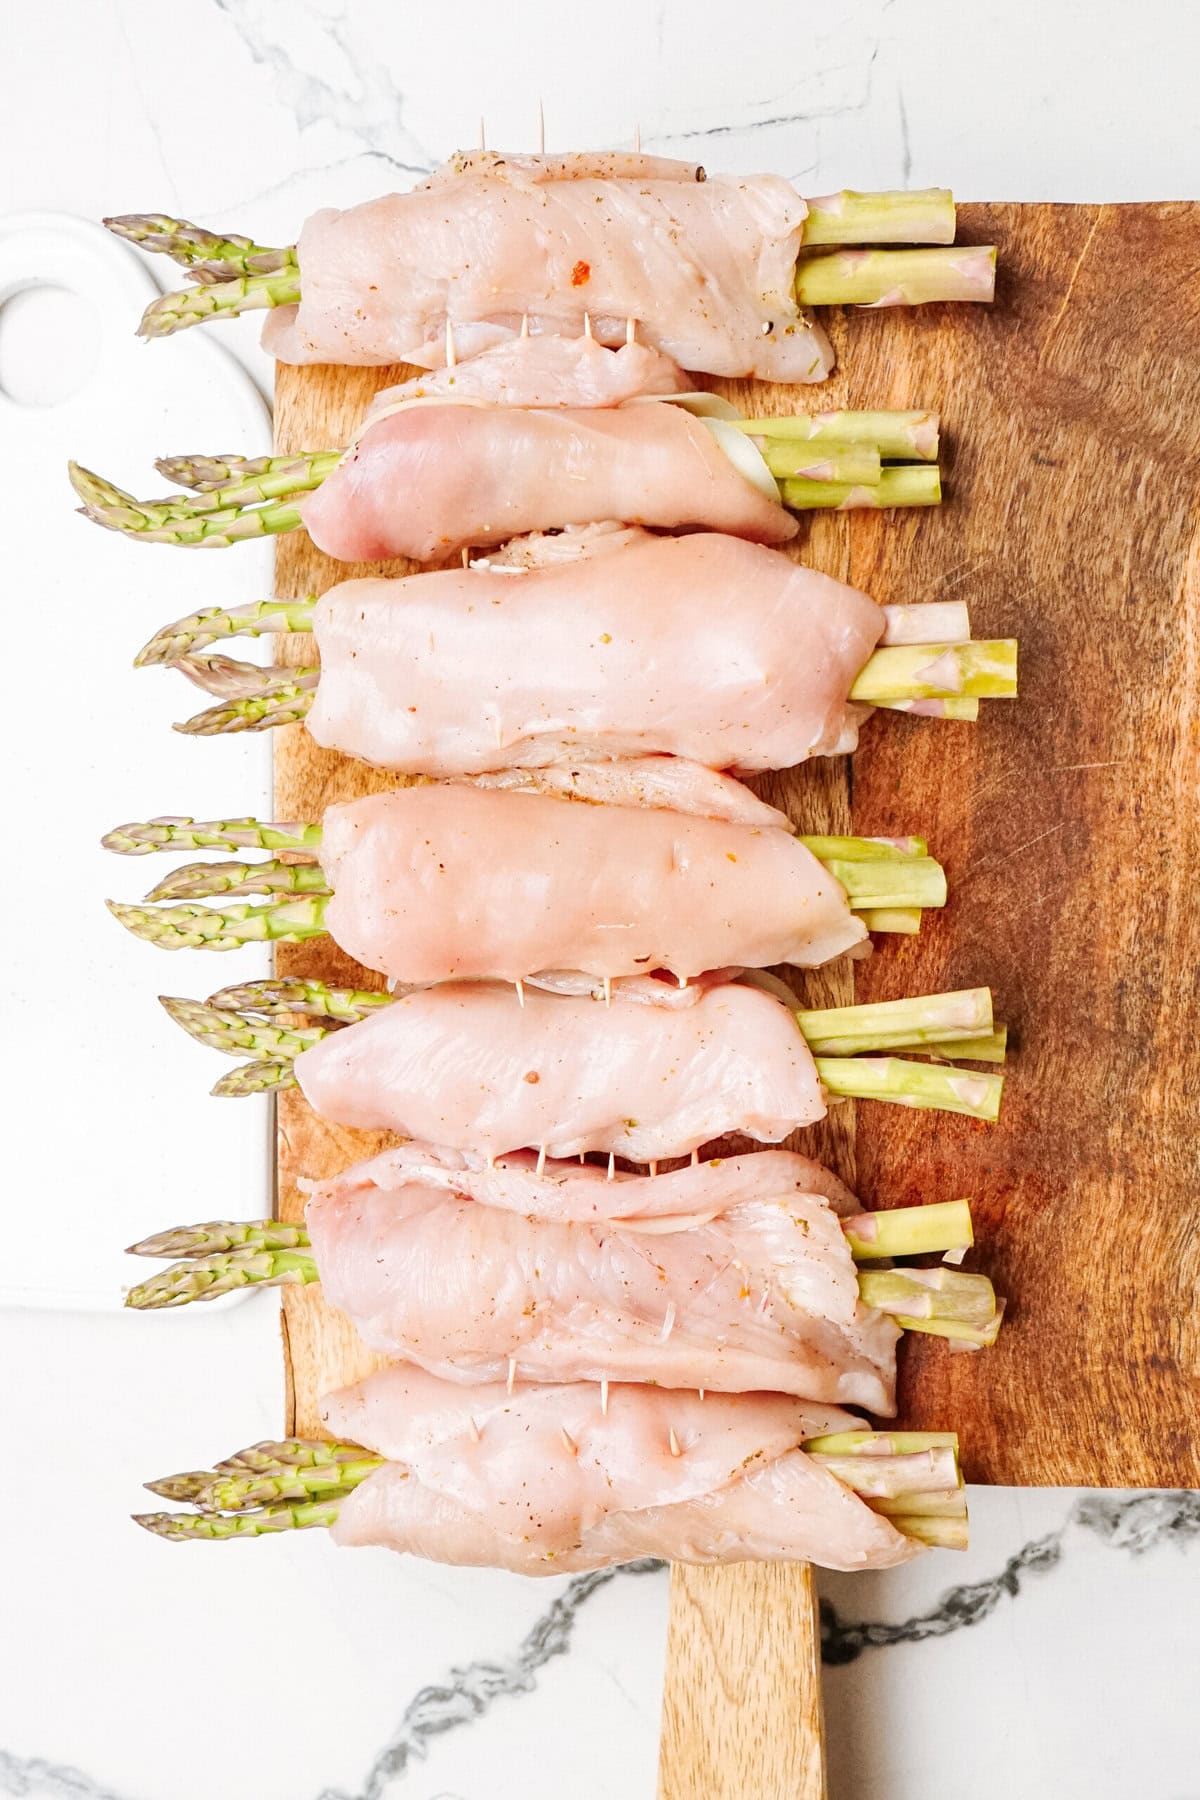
110	1132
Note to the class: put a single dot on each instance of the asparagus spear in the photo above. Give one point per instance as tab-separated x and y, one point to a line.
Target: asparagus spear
923	216
175	832
212	256
273	1234
266	1077
896	277
897	436
918	485
229	679
197	880
219	300
193	633
917	1485
942	1089
285	703
189	927
235	1034
162	521
294	995
986	669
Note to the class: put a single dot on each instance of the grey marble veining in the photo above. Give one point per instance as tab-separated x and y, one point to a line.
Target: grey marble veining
1133	1523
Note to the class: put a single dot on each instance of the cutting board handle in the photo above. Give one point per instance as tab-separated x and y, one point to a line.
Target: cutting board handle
742	1715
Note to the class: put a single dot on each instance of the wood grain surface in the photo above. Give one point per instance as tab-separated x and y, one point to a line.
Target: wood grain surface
742	1690
1068	823
1069	827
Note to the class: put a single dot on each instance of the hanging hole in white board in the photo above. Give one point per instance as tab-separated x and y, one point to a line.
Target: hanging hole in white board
49	344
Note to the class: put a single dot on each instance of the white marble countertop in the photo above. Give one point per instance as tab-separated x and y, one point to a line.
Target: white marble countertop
1050	1660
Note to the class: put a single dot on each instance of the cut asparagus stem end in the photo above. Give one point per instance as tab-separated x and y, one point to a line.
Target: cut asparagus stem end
833	1031
219	300
909	1230
937	1534
293	995
181	1527
864	849
905	921
223	928
882	1443
171	832
934	709
919	1472
208	1277
215	623
931	622
923	216
254	1078
938	1296
896	277
222	1234
896	436
915	882
211	255
991	1047
236	1034
197	881
286	704
981	1337
902	1083
917	485
944	1503
857	463
983	670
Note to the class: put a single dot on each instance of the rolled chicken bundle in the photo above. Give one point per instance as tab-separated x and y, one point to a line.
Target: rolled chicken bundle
737	1277
548	1480
703	647
450	881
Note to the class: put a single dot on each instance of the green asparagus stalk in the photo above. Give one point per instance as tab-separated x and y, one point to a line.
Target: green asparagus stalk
881	1443
175	832
219	300
982	670
897	1024
196	881
929	622
896	277
190	927
902	920
938	1089
918	485
935	1534
903	1231
924	216
213	256
229	679
284	704
161	521
174	642
266	1077
208	1277
178	1527
236	1034
248	1234
927	1295
294	995
856	465
205	473
896	436
271	1455
991	1047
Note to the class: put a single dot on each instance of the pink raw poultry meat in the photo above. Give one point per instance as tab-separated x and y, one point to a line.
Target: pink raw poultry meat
430	480
453	881
547	1480
540	371
741	1278
703	647
466	1065
704	268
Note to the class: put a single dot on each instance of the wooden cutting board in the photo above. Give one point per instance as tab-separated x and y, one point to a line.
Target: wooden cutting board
1069	827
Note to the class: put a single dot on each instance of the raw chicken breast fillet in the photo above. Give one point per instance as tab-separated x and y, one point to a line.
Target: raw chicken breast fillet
466	1065
547	1480
453	881
702	647
429	480
704	268
747	1283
